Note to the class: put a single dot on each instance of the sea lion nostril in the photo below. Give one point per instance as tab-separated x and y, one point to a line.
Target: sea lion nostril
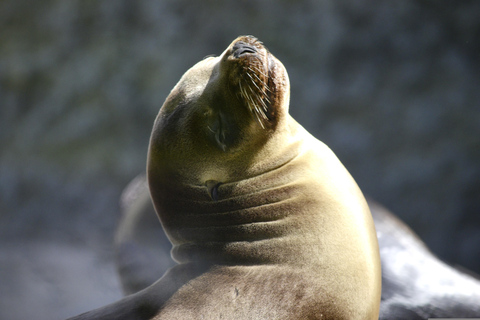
240	48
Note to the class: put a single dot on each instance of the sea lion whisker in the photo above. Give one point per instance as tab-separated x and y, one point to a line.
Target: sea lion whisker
252	105
265	107
260	102
255	107
246	96
252	96
241	89
257	101
253	80
256	86
243	92
258	116
208	127
258	71
257	97
265	89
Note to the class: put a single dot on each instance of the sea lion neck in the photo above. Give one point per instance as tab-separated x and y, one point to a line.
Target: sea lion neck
242	226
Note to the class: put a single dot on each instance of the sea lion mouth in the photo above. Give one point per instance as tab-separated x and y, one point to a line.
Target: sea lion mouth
256	78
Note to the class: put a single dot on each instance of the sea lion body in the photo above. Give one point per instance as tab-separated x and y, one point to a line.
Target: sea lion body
265	221
269	210
279	243
415	283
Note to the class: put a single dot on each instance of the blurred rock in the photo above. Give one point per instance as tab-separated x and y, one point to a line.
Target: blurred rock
391	87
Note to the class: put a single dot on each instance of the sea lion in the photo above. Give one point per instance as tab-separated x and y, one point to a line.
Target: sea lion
415	283
265	221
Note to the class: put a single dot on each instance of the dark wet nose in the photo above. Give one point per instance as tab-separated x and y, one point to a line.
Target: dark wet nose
241	48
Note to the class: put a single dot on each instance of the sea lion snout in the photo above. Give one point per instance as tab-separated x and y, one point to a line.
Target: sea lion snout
241	48
246	47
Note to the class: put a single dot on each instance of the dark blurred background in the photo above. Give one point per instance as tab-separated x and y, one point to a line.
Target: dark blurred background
393	87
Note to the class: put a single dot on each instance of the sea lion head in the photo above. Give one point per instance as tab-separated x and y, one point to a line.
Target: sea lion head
221	109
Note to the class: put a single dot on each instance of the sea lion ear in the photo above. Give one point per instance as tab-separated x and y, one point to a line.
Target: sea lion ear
212	187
